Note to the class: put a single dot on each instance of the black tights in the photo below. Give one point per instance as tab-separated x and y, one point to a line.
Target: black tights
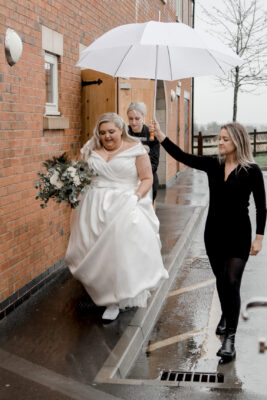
228	275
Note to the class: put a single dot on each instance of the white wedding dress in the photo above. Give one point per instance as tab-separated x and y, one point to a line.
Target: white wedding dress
114	246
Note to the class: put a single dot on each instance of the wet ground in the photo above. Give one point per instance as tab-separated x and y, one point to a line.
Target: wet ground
176	340
183	338
55	343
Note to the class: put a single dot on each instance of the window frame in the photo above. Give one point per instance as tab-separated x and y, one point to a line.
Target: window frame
186	12
179	10
52	108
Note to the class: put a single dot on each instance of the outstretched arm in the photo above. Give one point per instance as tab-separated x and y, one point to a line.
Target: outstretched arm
144	172
199	162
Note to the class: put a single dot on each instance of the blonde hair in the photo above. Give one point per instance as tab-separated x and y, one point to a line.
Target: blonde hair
94	142
241	140
137	106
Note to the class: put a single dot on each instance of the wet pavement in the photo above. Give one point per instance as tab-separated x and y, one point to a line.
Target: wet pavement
54	345
183	338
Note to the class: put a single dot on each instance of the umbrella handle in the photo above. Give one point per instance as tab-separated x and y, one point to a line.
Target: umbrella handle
151	138
156	78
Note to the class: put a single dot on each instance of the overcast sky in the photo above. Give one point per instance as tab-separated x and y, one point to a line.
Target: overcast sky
213	103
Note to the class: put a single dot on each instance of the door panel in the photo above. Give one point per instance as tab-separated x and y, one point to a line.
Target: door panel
135	90
96	100
186	125
178	126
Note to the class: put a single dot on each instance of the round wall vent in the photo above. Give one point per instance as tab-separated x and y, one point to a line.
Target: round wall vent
13	46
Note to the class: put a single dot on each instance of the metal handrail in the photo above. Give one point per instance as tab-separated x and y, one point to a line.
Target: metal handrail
255	302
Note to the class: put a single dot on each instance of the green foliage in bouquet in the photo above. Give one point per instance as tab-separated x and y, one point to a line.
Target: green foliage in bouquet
63	180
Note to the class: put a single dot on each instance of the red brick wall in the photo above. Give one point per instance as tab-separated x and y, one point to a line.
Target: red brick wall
33	239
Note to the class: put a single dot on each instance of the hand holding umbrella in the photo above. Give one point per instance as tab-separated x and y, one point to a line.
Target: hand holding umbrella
154	129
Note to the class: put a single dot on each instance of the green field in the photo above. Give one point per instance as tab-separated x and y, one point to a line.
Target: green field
261	160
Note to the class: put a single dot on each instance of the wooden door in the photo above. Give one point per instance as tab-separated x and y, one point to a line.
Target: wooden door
96	99
178	126
186	125
135	90
112	95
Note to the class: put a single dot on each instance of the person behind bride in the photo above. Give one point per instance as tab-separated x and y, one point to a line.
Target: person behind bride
136	113
114	248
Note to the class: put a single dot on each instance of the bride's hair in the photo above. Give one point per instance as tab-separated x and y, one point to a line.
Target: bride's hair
94	142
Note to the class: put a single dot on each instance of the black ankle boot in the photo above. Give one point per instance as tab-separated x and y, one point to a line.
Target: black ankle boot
221	328
227	351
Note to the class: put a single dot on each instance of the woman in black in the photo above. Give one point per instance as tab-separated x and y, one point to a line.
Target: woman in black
232	177
136	113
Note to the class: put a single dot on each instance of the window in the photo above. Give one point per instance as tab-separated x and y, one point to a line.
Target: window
51	80
179	10
186	12
192	8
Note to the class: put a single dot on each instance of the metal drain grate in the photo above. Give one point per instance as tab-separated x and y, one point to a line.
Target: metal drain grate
201	377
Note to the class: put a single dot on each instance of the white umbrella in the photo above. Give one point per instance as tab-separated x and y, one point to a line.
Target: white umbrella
158	50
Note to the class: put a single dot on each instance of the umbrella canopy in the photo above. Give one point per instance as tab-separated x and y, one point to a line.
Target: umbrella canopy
158	50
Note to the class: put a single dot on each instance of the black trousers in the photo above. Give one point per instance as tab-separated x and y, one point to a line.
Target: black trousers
228	273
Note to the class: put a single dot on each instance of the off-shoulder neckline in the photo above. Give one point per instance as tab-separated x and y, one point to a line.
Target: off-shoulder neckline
121	152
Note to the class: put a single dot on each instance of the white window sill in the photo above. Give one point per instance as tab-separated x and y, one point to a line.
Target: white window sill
55	122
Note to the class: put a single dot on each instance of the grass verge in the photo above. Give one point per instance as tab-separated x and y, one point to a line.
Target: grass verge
261	160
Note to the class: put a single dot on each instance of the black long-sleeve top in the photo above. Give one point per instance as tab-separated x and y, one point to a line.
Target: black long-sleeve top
228	229
154	149
152	144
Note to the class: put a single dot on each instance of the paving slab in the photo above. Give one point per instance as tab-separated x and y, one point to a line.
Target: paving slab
58	332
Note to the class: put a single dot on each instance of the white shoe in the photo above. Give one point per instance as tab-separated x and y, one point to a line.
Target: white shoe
111	312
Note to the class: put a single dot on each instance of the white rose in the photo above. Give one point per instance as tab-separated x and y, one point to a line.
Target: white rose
72	171
54	180
76	180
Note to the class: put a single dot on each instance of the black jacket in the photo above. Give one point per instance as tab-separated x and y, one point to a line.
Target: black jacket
152	144
154	147
228	227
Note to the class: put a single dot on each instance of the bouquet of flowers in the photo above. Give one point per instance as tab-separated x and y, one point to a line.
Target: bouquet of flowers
63	180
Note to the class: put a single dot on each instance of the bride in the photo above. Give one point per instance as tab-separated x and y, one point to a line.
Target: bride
114	246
